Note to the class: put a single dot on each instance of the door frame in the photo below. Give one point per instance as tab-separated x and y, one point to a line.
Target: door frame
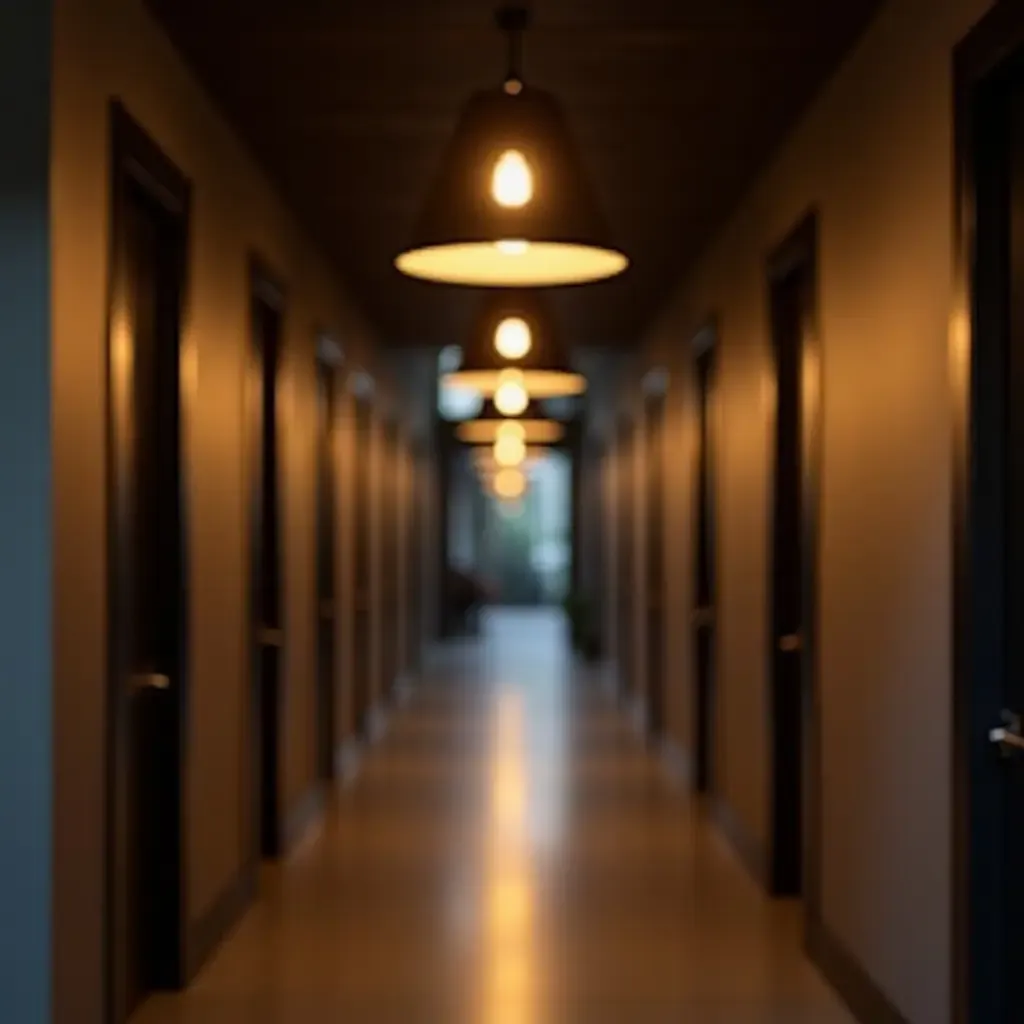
362	479
654	414
704	343
137	162
327	368
799	249
977	356
264	285
625	645
389	555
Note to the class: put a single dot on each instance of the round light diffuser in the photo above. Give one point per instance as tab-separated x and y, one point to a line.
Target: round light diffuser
512	204
533	427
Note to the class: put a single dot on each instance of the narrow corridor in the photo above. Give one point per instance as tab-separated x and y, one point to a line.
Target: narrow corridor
510	853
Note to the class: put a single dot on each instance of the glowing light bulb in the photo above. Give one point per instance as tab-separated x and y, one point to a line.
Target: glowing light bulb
512	181
509	451
511	397
509	483
513	339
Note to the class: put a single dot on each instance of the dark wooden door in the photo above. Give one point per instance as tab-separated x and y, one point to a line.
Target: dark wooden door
147	603
793	571
325	570
1007	726
654	614
414	513
362	638
267	610
626	561
988	392
704	572
389	526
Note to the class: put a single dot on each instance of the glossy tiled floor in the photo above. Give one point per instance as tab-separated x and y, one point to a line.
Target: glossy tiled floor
510	854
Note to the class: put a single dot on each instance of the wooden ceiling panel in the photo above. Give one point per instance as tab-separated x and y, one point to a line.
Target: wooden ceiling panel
676	105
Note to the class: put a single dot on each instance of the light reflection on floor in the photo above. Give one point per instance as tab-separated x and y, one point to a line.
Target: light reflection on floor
511	853
510	959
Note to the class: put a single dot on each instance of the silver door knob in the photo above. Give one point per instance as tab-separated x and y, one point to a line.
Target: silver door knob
1008	736
150	681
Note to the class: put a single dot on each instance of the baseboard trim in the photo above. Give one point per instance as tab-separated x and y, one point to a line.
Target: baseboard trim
744	845
207	933
846	975
303	816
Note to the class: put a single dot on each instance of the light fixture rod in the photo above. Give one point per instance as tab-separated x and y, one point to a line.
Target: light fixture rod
514	21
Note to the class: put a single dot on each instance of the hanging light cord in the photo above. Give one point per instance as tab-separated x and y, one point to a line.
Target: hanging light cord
513	21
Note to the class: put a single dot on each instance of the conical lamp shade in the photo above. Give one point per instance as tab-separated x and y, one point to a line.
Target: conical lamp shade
549	229
545	367
537	429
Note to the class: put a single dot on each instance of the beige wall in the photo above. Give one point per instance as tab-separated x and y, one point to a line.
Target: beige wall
874	155
106	49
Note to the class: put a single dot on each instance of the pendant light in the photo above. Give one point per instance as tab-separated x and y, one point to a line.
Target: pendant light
532	428
486	463
514	345
509	450
512	204
509	484
511	396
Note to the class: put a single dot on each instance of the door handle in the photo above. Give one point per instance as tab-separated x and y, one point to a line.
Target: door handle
1008	737
790	643
149	681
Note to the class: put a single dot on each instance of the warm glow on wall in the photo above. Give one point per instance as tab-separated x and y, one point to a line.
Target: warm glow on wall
512	180
511	397
513	339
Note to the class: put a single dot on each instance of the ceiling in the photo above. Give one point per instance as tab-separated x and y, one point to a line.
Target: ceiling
675	104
